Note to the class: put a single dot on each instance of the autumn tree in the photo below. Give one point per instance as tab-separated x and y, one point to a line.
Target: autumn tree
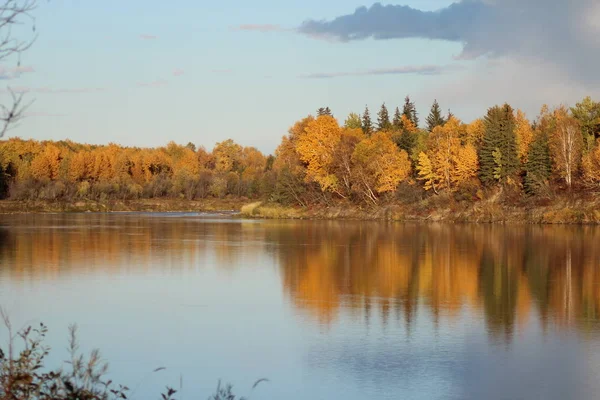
289	168
367	124
435	117
498	153
591	167
353	121
426	172
342	164
587	113
523	136
227	156
448	163
383	119
566	145
379	166
46	165
410	111
474	133
316	147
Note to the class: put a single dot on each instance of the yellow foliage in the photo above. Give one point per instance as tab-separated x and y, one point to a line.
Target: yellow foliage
426	173
591	166
474	132
380	165
316	147
467	164
523	135
226	154
448	162
46	165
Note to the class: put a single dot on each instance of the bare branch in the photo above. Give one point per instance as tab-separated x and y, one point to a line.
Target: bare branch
12	13
10	116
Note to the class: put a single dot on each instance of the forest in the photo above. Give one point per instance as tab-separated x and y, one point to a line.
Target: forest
387	159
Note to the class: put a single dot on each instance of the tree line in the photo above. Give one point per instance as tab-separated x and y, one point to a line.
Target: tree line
321	161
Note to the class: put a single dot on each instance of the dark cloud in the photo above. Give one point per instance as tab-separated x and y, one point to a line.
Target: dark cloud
563	32
410	69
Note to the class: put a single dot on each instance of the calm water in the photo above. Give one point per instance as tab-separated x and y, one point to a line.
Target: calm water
325	310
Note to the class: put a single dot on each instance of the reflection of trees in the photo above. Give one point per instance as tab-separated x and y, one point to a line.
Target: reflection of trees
369	268
394	269
54	245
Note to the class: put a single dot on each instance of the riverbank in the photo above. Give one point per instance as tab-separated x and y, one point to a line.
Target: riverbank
141	205
557	211
560	210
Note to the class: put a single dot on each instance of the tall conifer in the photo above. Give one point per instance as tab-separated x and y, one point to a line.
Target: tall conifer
367	125
498	154
435	117
383	119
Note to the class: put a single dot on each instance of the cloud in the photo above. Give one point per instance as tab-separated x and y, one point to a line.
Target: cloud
178	72
145	36
153	84
260	28
410	69
14	72
563	32
45	90
523	85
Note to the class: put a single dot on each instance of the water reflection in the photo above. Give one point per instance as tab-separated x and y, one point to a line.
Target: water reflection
506	275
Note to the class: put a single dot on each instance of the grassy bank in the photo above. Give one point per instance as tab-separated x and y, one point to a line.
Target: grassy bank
146	205
560	210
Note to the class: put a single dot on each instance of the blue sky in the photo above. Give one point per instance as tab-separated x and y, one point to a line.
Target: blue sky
147	72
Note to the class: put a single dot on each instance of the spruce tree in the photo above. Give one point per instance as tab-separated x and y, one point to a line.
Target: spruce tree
367	125
450	115
397	122
538	166
435	117
410	111
498	157
383	119
406	141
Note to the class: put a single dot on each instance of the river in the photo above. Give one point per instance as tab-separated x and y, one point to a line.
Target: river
323	309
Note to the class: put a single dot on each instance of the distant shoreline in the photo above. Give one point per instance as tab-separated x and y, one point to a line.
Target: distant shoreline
559	211
141	205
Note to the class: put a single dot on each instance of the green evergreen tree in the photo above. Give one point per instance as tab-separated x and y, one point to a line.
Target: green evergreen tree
397	122
367	125
539	165
383	119
498	154
410	111
450	115
435	117
406	141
